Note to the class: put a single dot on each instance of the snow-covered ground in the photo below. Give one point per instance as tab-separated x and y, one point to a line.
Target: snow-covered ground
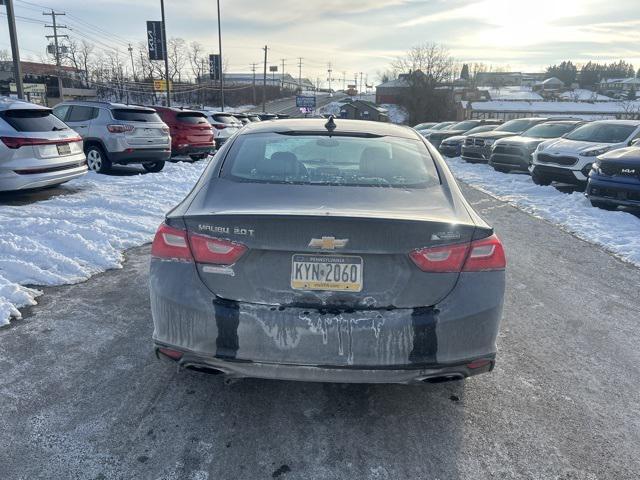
68	238
397	114
618	232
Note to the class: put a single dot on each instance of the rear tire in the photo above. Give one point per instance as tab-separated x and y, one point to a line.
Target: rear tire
96	159
603	205
153	167
195	158
540	179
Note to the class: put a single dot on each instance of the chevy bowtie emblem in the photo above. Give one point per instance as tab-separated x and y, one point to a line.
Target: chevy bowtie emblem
328	243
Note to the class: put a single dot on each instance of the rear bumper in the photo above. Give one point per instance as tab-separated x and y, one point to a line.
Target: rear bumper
604	189
12	181
140	155
192	150
283	342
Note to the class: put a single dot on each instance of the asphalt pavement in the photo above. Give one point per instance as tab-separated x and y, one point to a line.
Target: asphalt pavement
83	396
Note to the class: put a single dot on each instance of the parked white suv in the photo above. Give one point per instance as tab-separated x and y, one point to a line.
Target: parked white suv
115	133
36	148
569	159
224	125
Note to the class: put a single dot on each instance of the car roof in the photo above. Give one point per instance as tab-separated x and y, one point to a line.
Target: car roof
174	109
8	103
109	105
318	125
634	123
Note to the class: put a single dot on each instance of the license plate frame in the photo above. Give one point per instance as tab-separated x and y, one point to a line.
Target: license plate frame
63	149
321	266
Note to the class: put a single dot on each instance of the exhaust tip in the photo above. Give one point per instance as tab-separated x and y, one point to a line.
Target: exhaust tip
451	377
204	369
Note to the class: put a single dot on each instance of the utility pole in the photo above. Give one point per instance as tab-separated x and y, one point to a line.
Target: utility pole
360	84
133	68
300	73
344	81
282	74
15	52
253	70
329	70
264	81
221	62
55	35
166	54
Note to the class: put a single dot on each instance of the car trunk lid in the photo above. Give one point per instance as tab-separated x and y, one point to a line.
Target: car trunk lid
284	226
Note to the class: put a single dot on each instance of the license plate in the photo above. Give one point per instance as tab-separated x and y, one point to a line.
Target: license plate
64	149
326	272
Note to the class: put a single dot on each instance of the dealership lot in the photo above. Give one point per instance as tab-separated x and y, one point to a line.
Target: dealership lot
86	398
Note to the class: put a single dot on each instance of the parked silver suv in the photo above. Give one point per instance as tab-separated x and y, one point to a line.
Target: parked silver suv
115	133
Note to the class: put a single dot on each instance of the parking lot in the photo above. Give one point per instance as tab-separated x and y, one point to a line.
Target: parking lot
84	396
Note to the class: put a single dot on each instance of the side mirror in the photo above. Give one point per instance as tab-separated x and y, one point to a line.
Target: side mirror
635	143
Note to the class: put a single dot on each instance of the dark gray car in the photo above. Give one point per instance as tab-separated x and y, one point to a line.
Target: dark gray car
321	251
514	153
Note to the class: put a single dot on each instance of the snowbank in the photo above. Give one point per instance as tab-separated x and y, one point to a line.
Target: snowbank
66	239
618	232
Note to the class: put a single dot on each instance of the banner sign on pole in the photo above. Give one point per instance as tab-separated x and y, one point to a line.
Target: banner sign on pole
215	68
154	40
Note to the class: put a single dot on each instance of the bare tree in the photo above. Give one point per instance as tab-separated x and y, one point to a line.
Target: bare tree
178	58
197	60
424	68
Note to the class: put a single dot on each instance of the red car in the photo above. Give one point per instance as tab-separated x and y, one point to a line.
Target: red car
191	133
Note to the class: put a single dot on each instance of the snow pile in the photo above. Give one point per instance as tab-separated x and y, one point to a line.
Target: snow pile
618	232
331	108
67	239
397	114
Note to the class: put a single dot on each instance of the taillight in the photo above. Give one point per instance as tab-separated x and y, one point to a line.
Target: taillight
17	142
120	128
175	244
215	250
171	243
486	254
166	129
481	255
448	258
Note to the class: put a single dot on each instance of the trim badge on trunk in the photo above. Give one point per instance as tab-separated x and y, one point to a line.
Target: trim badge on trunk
328	243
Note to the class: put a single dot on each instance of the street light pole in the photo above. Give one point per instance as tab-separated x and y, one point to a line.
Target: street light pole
221	63
15	53
166	55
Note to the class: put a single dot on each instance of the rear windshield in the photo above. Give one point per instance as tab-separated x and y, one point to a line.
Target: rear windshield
225	118
136	115
254	118
602	132
515	126
549	130
317	159
33	120
193	118
442	126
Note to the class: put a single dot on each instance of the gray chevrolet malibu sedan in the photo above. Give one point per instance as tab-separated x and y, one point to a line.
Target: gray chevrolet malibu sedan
337	251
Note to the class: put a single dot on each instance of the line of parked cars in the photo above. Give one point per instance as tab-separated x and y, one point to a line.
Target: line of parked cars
41	147
602	156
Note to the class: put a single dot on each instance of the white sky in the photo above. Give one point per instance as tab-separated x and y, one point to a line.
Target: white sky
358	35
